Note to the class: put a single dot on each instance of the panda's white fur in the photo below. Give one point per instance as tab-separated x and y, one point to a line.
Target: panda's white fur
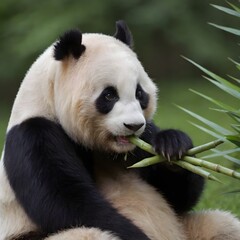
83	234
45	92
212	224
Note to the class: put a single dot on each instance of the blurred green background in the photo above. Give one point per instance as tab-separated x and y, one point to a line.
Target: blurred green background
163	30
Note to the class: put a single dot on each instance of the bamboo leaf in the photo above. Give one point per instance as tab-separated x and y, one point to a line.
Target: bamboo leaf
233	6
231	192
234	139
227	89
222	153
218	103
219	110
227	29
236	127
209	123
232	89
230	158
226	10
235	79
208	131
235	62
235	116
209	73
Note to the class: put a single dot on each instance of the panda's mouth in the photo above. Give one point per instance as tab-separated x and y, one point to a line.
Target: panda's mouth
122	140
121	143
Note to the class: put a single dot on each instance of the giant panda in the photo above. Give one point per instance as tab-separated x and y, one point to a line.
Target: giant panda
64	174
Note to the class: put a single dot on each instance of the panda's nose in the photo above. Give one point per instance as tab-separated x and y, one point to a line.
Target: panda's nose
133	127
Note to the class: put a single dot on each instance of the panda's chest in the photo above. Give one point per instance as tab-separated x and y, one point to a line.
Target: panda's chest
138	201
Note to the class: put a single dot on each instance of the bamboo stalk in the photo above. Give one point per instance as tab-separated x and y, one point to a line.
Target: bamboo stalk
148	161
196	169
184	164
204	147
187	162
141	144
212	166
148	148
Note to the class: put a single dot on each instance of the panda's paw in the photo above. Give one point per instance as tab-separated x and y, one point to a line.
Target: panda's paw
172	144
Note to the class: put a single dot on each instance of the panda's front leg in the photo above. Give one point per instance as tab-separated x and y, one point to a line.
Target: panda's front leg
180	187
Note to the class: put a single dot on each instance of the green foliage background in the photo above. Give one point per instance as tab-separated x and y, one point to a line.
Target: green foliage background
163	30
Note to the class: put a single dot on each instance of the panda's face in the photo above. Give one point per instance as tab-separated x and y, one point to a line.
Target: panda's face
122	109
106	97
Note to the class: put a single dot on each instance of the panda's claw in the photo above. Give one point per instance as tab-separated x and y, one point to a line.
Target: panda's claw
180	155
163	154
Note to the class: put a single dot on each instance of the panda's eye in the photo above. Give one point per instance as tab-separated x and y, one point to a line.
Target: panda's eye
142	97
107	99
111	96
139	94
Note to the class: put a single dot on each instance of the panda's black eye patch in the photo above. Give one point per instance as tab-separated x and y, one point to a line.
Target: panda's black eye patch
142	97
107	99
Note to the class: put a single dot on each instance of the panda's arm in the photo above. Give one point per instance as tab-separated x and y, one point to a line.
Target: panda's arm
180	187
52	184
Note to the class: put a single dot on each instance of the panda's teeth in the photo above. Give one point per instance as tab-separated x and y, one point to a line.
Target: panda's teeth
122	140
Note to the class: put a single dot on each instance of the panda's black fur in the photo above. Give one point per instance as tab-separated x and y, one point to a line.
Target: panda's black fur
53	175
39	147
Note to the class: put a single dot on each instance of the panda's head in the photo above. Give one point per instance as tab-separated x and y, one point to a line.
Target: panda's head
101	92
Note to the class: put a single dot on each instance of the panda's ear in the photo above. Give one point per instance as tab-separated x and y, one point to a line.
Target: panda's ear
123	33
69	44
